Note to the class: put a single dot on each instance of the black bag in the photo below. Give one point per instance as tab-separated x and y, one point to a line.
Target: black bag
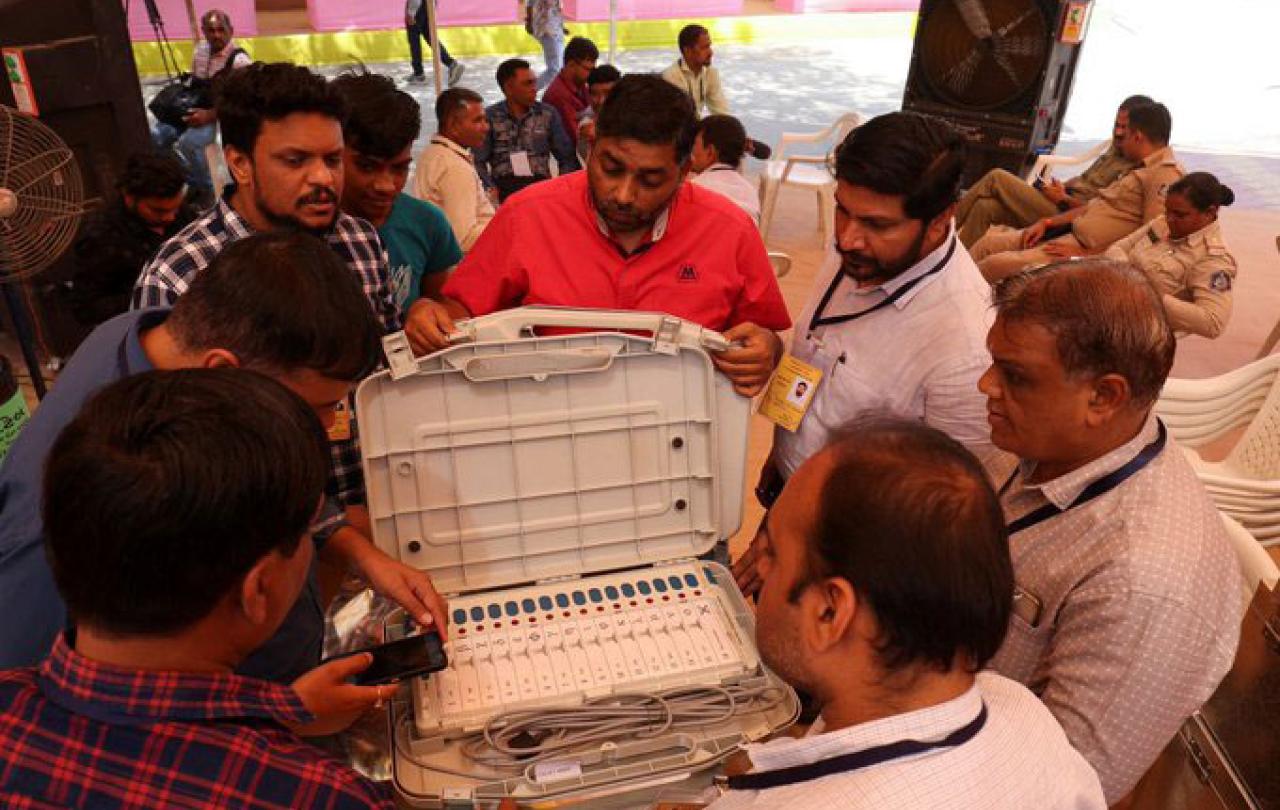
176	100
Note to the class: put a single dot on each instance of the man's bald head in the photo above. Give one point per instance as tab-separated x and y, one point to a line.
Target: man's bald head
1105	316
906	515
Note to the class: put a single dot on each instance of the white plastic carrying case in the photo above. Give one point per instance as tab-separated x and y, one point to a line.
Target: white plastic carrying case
559	490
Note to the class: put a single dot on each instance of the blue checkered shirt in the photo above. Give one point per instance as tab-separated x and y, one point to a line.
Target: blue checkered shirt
175	265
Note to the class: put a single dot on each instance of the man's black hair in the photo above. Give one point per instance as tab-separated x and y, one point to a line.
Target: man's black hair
1152	120
689	36
152	174
581	49
508	69
908	518
282	302
452	101
382	120
603	74
727	135
169	486
1133	101
270	92
905	154
645	107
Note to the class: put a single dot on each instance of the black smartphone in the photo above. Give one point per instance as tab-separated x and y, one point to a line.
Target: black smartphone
404	658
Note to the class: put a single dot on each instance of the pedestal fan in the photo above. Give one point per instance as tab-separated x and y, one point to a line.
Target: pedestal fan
41	202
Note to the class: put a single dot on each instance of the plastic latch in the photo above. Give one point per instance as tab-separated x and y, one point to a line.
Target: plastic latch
399	355
665	340
457	797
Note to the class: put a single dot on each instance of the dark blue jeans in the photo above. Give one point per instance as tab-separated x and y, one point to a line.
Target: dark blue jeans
419	33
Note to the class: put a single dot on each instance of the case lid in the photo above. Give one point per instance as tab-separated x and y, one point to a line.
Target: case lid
513	458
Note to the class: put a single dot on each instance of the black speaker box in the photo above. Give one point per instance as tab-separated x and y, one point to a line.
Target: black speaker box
999	71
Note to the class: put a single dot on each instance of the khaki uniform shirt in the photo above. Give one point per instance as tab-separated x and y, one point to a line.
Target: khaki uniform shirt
1195	274
1104	171
1128	609
1135	199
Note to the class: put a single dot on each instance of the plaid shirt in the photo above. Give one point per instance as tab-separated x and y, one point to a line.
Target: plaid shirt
538	133
171	271
76	733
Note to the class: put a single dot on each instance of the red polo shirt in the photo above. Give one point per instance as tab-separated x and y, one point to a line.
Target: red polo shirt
569	101
706	264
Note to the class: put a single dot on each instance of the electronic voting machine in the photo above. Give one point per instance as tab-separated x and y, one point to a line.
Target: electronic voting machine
559	490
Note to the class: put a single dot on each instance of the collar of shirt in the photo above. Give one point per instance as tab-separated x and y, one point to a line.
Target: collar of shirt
718	167
1063	490
579	93
1161	156
926	725
128	696
133	359
1200	238
915	271
656	232
454	147
235	224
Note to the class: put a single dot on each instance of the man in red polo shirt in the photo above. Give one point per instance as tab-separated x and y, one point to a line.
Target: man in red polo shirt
628	233
568	92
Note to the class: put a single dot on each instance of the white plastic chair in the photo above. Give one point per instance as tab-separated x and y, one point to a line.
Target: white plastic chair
1256	564
781	263
1045	164
1274	337
1246	484
809	171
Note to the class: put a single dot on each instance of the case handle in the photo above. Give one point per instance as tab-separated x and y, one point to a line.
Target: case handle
669	332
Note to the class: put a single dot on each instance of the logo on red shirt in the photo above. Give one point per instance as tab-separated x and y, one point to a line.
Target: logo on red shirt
687	273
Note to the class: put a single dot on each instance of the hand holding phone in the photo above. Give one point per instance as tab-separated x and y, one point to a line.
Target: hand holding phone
403	658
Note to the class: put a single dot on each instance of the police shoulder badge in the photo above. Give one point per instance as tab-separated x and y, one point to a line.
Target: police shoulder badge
1220	281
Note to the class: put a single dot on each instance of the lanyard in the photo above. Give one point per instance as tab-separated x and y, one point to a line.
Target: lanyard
817	319
1100	487
857	760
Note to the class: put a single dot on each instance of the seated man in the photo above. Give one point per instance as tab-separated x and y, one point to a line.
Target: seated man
1186	257
568	93
887	586
716	159
377	148
446	173
176	516
694	74
1001	198
626	234
600	83
524	134
1133	200
280	303
214	55
1127	607
117	240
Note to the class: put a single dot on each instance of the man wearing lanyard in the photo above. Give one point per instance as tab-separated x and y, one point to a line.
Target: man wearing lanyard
899	314
887	586
1127	607
694	74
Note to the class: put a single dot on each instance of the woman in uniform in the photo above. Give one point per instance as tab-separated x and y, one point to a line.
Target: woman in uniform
1185	256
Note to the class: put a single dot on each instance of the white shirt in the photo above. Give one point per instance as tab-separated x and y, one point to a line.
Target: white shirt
724	179
1138	600
447	177
704	87
1019	759
917	358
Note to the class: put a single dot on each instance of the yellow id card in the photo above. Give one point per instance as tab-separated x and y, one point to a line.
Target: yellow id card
790	393
341	430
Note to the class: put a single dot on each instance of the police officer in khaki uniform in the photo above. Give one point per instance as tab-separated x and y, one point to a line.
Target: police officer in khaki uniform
1001	198
1133	200
1185	256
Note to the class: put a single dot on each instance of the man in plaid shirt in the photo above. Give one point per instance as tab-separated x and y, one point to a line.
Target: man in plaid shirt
282	131
176	516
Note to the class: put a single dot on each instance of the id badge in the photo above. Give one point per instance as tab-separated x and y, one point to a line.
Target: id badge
341	429
790	393
520	164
